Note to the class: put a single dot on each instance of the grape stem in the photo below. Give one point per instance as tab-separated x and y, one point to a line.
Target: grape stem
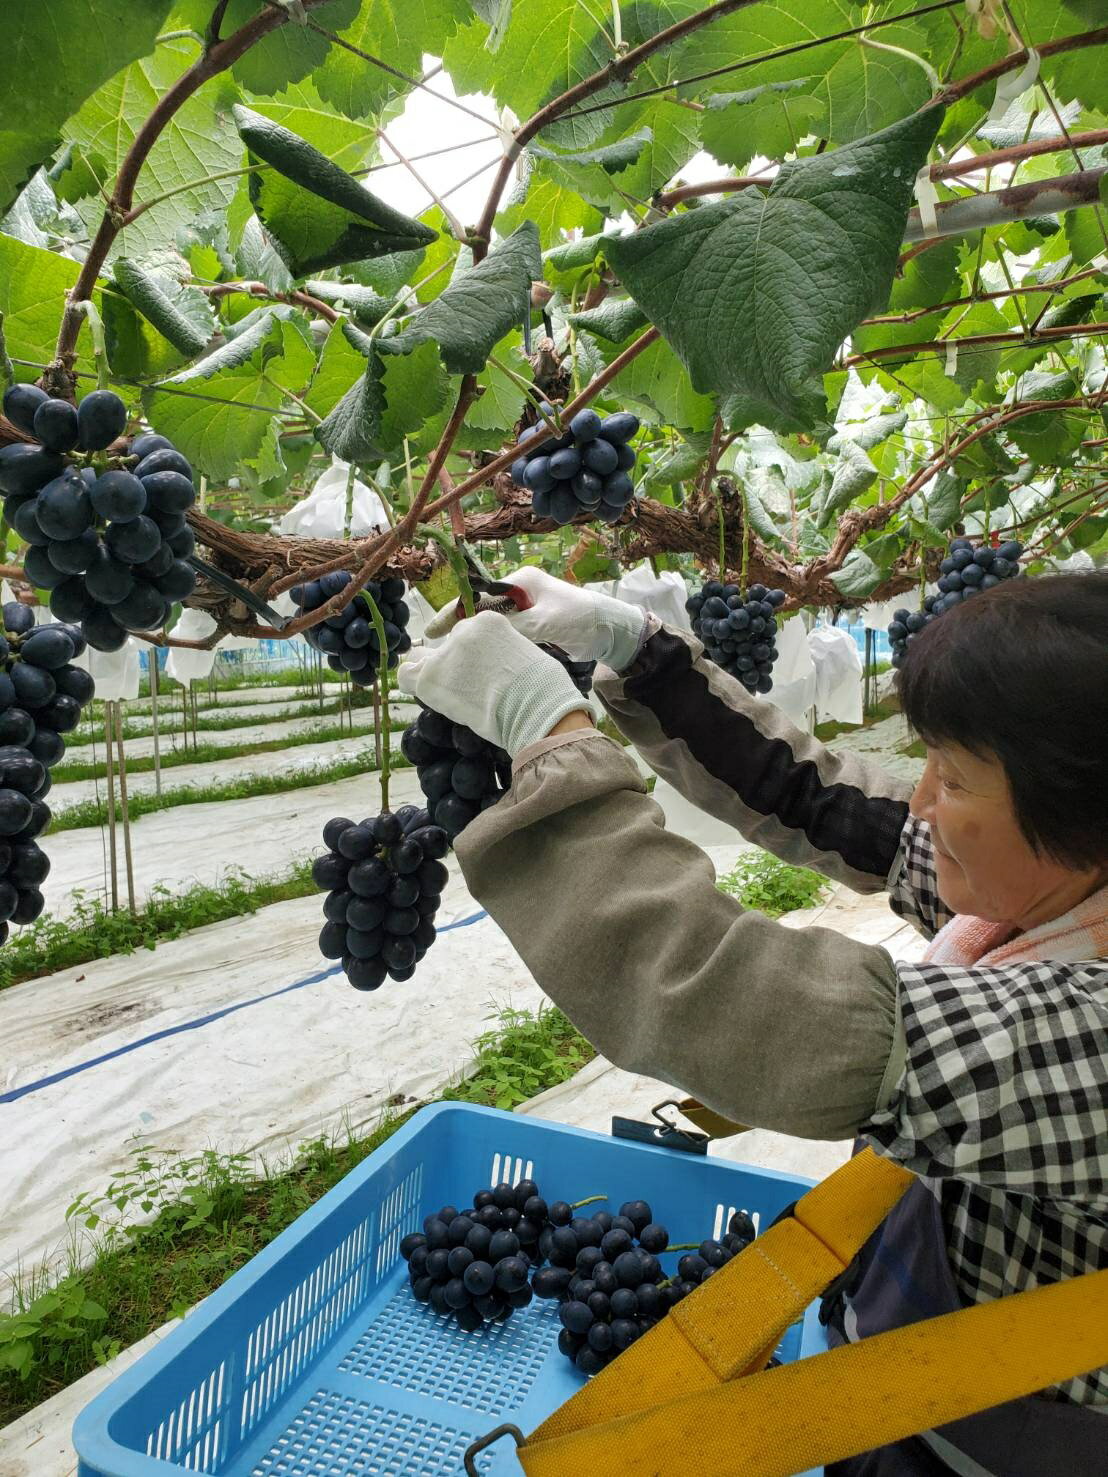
383	686
577	1204
456	559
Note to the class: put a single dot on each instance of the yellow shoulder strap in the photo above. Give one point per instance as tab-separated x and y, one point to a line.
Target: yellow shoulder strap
674	1402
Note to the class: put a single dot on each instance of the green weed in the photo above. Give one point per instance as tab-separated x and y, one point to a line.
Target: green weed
93	931
771	886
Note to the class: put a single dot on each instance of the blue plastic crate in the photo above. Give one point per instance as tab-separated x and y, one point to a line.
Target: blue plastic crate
315	1360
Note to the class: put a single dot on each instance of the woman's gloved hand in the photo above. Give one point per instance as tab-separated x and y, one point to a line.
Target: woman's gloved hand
489	677
588	627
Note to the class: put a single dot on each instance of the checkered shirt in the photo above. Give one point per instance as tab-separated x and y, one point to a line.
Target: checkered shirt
1003	1108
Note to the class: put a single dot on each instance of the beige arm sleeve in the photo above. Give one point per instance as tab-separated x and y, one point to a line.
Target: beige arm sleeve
622	925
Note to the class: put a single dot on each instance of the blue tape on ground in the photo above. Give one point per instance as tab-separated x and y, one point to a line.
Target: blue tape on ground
204	1020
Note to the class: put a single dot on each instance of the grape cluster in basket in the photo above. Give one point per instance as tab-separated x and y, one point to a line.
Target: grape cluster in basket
384	880
41	698
738	630
475	1263
586	469
606	1274
349	640
482	1263
107	532
966	571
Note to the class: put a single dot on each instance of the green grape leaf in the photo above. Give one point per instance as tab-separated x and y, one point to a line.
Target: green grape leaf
367	306
417	388
180	313
579	253
656	385
353	426
615	319
258	258
1050	437
852	474
340	364
318	215
757	293
479	307
33	288
674	140
944	500
218	411
501	402
769	120
859	575
397	31
551	206
195	147
388	274
290	52
871	432
54	56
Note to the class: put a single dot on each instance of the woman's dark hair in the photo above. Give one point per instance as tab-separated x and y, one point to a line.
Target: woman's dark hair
1021	672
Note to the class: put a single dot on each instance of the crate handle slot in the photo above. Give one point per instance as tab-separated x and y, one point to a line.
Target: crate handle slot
478	1446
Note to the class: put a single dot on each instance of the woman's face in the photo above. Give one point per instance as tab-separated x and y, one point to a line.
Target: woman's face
986	866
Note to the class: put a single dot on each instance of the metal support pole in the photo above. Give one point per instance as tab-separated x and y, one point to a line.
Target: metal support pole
377	725
110	776
154	717
126	813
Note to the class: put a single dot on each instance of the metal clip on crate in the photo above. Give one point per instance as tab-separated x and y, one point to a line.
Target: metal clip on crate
662	1133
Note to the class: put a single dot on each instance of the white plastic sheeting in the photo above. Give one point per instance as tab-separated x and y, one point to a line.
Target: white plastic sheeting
187	666
237	1037
323	513
838	674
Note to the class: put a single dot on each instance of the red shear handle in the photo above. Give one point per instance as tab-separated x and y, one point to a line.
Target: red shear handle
497	597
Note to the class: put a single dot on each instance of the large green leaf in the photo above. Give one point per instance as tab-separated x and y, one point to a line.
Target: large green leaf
501	402
397	31
859	575
615	319
318	215
853	473
218	411
353	426
33	288
553	207
196	146
925	281
340	364
181	314
862	89
479	306
1050	437
54	56
549	46
656	385
392	399
757	293
289	53
769	120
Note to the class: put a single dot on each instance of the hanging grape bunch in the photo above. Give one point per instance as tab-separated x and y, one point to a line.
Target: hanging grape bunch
41	697
459	772
587	469
738	630
966	571
474	1264
384	879
349	640
107	533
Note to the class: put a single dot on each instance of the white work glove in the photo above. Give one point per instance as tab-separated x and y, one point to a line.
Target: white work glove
588	627
493	680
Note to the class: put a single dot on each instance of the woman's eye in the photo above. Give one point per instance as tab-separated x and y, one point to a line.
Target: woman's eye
950	785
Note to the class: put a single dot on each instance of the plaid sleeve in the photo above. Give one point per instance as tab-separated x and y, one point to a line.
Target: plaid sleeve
1006	1079
913	886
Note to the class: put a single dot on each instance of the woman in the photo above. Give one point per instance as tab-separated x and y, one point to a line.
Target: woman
984	1069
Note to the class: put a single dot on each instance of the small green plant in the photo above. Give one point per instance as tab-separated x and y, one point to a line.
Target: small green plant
93	931
523	1054
761	881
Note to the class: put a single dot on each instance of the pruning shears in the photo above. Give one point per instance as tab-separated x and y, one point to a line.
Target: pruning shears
239	592
489	593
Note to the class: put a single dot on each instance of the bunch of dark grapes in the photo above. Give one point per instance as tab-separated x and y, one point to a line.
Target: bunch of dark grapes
605	1272
349	640
587	469
738	630
459	772
384	879
475	1263
580	673
966	571
108	535
41	698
